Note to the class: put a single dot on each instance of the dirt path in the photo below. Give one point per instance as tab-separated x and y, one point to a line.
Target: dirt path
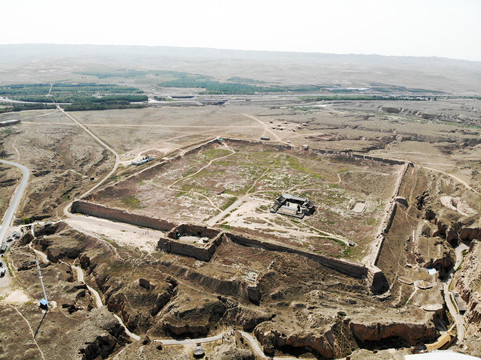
257	349
31	331
219	216
117	156
39	254
448	294
95	294
454	177
177	126
202	168
98	301
236	204
190	341
266	128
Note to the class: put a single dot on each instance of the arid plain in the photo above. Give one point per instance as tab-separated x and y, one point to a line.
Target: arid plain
147	261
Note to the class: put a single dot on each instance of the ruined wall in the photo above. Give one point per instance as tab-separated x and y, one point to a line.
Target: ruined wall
375	276
262	143
377	280
386	223
205	253
202	146
88	208
193	230
343	266
230	287
378	283
153	169
343	154
9	123
350	155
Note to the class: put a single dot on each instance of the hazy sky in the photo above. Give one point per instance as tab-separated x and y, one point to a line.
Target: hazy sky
388	27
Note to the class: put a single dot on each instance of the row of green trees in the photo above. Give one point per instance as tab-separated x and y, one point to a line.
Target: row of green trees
21	107
83	98
217	87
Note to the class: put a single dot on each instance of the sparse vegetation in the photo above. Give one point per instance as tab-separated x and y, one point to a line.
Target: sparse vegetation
229	202
131	202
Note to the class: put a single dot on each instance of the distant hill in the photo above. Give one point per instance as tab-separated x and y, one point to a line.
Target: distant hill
456	76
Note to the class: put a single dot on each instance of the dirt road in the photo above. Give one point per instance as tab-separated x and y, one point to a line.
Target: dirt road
257	349
117	156
454	177
17	197
266	128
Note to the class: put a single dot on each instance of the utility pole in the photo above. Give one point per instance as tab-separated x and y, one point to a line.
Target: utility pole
41	281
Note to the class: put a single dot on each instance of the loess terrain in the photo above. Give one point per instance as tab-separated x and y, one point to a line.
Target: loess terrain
196	253
233	184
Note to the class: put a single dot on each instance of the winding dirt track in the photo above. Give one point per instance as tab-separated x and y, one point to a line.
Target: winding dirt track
454	177
117	156
448	295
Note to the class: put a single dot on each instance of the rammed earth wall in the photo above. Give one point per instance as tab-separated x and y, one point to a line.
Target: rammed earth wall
205	252
343	266
88	208
375	276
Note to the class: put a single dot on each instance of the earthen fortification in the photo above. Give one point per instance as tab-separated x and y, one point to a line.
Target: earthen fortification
104	212
204	252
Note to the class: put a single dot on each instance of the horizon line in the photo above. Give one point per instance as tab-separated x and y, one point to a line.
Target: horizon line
241	50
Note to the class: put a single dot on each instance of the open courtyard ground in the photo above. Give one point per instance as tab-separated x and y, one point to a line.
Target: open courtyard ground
233	184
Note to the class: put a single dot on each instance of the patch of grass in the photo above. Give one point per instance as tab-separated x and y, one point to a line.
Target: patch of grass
321	233
239	192
295	164
211	154
189	172
7	262
226	227
131	202
229	202
186	188
347	251
340	242
118	267
405	301
263	207
371	221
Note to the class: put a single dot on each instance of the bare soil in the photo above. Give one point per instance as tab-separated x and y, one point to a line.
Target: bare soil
62	158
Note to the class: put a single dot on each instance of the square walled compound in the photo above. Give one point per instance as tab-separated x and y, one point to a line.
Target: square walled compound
232	184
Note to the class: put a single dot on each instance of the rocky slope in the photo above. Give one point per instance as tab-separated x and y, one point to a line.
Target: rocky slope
295	315
468	285
343	335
